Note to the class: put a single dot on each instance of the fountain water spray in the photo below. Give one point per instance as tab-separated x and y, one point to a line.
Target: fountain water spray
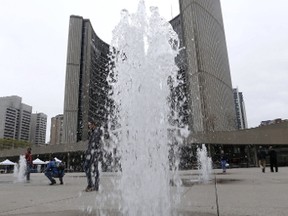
143	69
20	169
204	164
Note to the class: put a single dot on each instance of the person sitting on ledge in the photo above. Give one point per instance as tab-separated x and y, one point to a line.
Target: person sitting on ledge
54	170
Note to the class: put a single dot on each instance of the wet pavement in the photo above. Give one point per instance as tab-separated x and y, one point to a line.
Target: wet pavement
239	192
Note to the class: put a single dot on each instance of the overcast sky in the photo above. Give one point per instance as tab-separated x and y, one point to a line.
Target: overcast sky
33	45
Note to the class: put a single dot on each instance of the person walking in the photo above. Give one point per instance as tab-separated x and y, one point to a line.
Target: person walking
262	158
29	163
273	159
93	155
223	160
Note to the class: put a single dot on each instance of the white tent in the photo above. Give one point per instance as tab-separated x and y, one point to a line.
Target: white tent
57	160
7	162
37	161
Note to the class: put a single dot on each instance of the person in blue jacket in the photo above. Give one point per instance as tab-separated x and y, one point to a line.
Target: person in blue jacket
223	160
54	170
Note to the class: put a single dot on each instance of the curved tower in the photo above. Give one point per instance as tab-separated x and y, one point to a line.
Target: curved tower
207	77
203	64
86	87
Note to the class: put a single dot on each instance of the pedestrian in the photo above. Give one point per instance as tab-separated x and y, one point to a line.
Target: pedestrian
223	160
273	159
54	170
93	155
262	158
29	163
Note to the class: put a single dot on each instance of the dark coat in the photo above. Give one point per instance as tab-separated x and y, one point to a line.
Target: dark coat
261	154
94	149
223	157
273	155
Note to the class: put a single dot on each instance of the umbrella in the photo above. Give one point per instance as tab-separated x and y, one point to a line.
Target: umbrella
37	161
7	162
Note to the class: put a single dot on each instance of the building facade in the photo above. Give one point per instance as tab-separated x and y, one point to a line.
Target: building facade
86	88
180	93
38	128
15	118
205	95
56	130
273	122
205	66
240	109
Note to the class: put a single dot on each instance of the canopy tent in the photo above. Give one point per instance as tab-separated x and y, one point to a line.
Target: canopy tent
37	161
7	162
57	160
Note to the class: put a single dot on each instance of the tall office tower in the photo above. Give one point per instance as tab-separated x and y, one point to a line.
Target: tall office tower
56	130
207	77
15	118
203	67
86	88
240	109
38	128
180	93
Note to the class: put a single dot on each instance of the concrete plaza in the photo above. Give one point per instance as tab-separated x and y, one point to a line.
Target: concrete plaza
245	191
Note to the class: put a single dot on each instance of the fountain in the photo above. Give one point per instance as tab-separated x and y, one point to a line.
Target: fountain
142	71
144	124
20	169
204	164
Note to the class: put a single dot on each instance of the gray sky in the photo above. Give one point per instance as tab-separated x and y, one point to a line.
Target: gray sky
33	45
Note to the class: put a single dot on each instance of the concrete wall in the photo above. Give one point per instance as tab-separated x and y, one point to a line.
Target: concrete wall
267	135
276	134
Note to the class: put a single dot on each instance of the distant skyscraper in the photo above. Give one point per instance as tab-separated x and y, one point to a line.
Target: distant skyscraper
15	118
38	128
56	130
204	66
240	109
86	87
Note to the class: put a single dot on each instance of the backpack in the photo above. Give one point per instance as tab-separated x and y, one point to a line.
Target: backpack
60	165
